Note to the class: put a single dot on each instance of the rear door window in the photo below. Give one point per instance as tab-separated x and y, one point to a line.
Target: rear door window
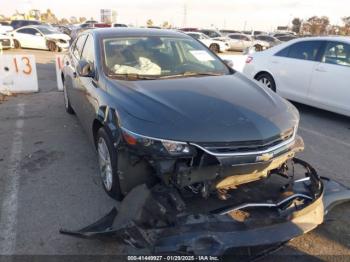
307	50
236	37
337	53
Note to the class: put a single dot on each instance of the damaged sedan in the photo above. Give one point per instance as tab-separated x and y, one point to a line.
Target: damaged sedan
201	158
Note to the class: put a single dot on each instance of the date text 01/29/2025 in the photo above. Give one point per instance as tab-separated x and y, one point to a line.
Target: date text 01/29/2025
172	258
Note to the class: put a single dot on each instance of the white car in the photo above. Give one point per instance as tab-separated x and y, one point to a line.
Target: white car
40	37
216	46
241	42
313	71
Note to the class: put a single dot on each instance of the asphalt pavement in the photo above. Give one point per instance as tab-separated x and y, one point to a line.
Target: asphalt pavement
49	176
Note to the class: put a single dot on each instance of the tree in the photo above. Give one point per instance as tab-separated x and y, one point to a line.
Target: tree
149	22
345	30
49	17
73	20
63	21
82	19
297	22
166	25
318	25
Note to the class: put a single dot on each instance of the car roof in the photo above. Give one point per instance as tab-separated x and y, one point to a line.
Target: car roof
129	32
321	38
33	26
327	38
239	34
194	32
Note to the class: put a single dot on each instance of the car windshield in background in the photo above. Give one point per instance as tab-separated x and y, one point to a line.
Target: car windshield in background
47	30
159	57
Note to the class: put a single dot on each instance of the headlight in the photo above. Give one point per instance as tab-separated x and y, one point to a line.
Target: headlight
152	145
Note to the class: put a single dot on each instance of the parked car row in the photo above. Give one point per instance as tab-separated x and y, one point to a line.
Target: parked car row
240	41
32	34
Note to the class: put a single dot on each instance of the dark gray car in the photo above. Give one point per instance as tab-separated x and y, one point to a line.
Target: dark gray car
189	144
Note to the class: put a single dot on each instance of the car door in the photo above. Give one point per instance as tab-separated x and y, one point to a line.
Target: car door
330	87
235	42
87	88
23	37
292	69
70	71
246	42
31	38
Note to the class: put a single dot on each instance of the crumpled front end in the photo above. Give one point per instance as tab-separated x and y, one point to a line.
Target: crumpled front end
289	203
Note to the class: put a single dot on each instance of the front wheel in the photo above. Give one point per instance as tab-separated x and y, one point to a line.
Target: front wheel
267	80
258	48
108	163
214	48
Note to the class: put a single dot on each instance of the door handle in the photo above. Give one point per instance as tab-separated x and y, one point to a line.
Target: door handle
274	62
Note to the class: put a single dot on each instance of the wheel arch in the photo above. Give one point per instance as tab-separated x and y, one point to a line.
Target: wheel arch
262	72
107	118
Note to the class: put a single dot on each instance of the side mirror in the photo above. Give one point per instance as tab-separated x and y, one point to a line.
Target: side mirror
38	34
228	62
85	69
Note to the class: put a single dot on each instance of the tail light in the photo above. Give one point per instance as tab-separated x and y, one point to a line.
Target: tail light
249	59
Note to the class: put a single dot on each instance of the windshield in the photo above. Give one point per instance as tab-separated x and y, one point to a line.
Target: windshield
48	30
159	57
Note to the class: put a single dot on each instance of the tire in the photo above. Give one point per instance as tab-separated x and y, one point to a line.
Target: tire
214	48
52	46
267	80
16	44
67	104
258	48
108	164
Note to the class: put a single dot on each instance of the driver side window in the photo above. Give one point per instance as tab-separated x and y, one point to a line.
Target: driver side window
79	44
88	51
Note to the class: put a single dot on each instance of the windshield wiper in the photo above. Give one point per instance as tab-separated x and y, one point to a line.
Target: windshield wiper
133	76
191	73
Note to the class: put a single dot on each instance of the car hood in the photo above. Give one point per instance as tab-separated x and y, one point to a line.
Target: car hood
202	109
58	36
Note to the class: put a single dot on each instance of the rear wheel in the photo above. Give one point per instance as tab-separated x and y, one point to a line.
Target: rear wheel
16	44
267	80
52	46
215	48
108	163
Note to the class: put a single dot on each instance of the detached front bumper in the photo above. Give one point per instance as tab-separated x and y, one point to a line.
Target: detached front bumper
260	213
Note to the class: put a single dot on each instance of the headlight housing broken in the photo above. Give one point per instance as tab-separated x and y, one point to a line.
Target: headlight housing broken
156	145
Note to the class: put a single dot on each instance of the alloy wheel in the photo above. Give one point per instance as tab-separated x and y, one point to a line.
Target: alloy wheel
266	82
105	164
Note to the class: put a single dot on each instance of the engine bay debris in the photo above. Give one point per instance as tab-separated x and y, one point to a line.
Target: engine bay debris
291	201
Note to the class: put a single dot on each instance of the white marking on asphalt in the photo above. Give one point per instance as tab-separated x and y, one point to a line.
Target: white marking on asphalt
8	212
335	140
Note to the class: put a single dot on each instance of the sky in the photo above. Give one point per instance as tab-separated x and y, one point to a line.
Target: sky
228	14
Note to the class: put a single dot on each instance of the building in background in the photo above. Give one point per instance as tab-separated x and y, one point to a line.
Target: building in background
108	16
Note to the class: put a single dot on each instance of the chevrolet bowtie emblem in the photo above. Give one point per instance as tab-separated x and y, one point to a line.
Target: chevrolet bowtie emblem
264	157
